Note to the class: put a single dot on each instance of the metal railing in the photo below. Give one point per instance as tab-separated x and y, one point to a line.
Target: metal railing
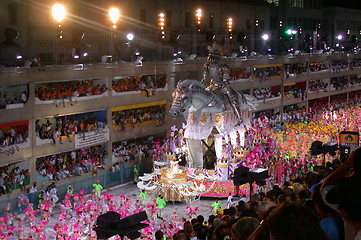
107	180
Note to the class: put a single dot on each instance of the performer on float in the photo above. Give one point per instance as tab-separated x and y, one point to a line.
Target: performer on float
218	76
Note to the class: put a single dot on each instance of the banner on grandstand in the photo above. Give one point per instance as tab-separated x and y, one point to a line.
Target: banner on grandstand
349	138
91	138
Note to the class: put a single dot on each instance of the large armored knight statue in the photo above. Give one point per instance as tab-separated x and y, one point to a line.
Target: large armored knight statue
217	75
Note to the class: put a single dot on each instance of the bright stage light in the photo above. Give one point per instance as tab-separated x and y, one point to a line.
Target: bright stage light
58	12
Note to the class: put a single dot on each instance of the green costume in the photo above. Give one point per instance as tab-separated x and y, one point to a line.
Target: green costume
98	188
41	197
216	205
135	171
143	195
160	202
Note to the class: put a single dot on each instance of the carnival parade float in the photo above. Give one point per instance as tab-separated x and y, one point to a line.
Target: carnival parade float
215	114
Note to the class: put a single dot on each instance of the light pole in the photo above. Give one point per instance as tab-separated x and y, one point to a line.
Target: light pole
129	45
229	33
114	15
292	34
161	36
198	29
339	45
265	37
58	12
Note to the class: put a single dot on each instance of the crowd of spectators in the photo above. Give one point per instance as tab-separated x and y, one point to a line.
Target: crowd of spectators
75	163
7	98
133	151
69	90
10	176
63	126
295	92
317	86
337	66
354	97
298	209
295	113
354	81
12	135
317	105
272	115
239	73
339	83
297	69
337	101
139	83
267	73
134	117
336	84
317	66
355	63
265	93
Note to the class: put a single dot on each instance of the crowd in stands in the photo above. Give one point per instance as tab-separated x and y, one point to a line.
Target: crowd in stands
317	66
317	105
69	90
11	176
265	93
355	63
267	73
12	98
239	73
272	115
317	86
354	97
298	69
354	81
12	135
295	113
138	83
339	83
338	101
295	92
134	117
133	151
64	126
75	163
337	66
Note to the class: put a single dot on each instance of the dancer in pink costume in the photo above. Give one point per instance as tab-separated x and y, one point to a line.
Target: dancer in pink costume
9	216
175	219
191	212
